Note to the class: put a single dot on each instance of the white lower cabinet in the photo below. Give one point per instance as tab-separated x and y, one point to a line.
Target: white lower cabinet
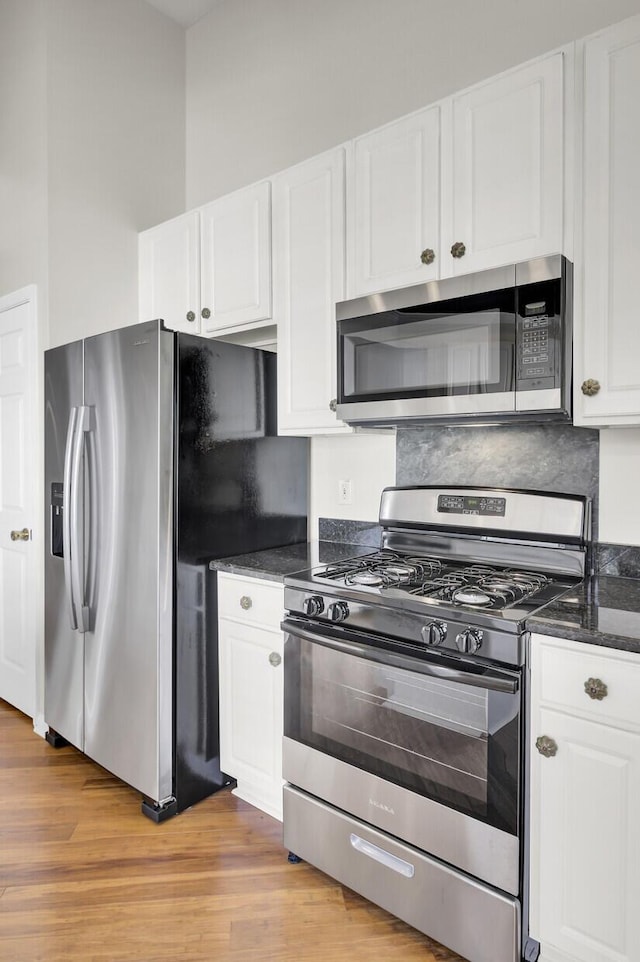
250	654
585	798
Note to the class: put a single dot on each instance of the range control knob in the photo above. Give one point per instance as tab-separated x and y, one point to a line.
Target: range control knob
313	605
469	640
338	611
434	633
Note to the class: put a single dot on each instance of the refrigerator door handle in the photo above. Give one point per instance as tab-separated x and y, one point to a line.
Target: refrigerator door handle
66	516
76	519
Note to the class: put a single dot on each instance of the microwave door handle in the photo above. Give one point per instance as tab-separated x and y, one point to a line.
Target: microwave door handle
76	518
489	681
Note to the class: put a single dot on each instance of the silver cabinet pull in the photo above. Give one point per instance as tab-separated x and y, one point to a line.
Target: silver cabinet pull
274	659
428	256
23	535
546	746
333	404
458	249
596	689
191	316
206	313
590	387
245	602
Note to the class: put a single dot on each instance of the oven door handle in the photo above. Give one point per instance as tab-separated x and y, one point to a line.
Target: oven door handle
491	681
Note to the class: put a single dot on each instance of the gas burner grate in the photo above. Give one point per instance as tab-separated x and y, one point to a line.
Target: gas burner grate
480	587
384	569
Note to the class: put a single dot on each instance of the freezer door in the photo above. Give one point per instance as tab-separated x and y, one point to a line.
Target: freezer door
63	643
129	572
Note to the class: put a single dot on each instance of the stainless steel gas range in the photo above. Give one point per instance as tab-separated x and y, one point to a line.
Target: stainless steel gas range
406	701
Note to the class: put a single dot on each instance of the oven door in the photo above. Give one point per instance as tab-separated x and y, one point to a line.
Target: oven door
450	358
422	745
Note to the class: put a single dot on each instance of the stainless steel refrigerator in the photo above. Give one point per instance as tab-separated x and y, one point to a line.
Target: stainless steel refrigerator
161	454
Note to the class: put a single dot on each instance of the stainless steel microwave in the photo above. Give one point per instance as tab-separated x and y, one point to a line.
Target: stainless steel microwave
489	346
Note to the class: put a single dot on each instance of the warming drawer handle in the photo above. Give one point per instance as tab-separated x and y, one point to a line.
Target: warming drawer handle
379	855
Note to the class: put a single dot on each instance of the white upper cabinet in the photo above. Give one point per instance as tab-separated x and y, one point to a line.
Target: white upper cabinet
504	202
308	279
169	273
209	271
394	212
236	259
608	332
472	183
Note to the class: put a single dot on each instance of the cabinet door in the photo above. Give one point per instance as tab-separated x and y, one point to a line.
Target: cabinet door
504	202
251	712
394	209
236	259
585	840
169	273
308	276
608	340
585	879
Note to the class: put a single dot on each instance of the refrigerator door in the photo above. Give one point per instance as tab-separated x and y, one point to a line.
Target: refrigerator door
64	643
129	572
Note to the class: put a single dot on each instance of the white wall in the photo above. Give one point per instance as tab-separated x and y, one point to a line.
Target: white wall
619	474
23	149
368	461
116	153
272	82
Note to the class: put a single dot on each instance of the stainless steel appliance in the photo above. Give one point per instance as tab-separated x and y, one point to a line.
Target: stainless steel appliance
405	696
160	454
486	346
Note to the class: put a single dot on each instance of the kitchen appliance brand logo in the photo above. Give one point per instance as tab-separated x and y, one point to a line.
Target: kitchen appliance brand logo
382	806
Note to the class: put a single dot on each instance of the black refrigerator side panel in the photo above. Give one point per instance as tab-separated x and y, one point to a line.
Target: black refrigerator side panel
239	488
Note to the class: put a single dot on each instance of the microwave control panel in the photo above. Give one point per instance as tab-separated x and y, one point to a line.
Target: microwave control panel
537	347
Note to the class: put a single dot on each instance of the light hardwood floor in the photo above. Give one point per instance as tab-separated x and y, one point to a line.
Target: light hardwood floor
84	877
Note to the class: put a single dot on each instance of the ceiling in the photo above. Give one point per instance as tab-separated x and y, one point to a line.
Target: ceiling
185	12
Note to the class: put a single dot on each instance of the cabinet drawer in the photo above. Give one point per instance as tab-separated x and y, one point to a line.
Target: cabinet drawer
566	667
250	600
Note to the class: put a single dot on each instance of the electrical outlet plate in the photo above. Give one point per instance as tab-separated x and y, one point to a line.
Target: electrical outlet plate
344	492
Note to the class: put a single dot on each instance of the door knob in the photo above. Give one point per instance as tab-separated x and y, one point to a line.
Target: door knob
23	535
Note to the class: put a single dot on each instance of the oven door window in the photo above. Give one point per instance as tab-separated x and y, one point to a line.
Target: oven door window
457	349
456	743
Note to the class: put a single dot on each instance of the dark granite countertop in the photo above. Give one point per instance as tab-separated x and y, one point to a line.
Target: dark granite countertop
603	610
274	563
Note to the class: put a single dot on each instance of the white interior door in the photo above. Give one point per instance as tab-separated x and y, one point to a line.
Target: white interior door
20	587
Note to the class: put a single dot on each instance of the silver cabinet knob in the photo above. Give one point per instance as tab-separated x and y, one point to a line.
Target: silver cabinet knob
206	313
546	746
191	316
274	659
22	535
596	689
333	404
590	387
458	249
245	602
428	256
